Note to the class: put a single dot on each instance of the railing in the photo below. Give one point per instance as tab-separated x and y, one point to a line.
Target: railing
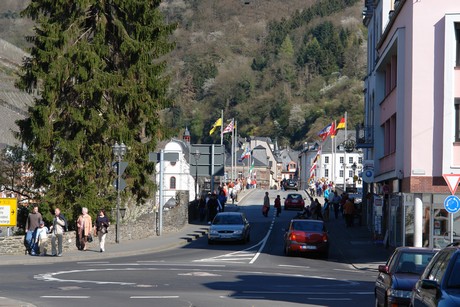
364	136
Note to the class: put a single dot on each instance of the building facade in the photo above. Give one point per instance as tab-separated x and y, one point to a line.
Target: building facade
411	131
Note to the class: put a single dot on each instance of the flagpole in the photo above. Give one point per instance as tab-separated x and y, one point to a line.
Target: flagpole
233	148
345	157
222	128
235	128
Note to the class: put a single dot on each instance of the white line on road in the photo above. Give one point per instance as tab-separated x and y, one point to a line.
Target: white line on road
353	271
264	241
154	297
64	296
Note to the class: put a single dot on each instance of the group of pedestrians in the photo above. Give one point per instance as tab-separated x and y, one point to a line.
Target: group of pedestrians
37	233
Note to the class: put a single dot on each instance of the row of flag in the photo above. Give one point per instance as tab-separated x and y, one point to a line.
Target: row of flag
218	123
314	164
331	129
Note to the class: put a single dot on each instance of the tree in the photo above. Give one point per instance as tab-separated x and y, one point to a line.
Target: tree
100	78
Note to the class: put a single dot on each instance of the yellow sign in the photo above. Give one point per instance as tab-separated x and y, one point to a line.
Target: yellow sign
8	211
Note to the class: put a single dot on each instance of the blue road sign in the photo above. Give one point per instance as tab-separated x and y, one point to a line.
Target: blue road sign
452	204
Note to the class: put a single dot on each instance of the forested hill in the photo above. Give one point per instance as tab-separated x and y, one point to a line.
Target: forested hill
283	69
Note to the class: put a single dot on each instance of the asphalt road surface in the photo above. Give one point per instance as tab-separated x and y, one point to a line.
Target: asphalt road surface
252	274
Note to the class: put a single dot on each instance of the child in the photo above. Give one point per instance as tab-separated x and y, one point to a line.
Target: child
41	238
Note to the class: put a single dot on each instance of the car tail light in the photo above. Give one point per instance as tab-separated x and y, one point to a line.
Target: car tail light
292	237
325	237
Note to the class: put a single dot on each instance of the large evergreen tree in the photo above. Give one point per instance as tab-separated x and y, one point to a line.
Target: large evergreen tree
97	69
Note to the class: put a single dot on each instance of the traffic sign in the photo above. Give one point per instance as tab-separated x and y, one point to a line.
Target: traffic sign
452	204
8	211
452	181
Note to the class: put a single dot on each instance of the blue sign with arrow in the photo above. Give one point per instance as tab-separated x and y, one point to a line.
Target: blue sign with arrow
452	204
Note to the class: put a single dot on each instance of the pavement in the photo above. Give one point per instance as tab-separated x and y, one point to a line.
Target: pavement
355	244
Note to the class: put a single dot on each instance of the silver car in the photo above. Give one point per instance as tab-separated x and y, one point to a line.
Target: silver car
229	226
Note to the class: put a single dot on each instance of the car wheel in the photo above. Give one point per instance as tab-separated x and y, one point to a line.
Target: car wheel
210	242
287	252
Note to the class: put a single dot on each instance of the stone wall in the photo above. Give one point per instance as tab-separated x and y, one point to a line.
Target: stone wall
139	223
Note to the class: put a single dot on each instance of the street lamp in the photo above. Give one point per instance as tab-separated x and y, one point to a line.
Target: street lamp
119	150
354	167
196	155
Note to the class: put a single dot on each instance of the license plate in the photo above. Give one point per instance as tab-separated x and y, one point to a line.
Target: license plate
309	247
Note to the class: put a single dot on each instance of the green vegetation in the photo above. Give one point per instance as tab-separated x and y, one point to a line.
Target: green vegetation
101	80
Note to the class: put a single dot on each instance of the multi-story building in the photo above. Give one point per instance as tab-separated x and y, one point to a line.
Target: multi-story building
411	132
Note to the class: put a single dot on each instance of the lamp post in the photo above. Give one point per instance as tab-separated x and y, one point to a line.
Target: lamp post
354	167
119	150
196	155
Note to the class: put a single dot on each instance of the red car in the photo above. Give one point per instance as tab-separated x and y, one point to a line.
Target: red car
294	201
306	237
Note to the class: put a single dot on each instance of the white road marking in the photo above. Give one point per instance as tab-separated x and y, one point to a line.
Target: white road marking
64	296
154	297
353	271
294	266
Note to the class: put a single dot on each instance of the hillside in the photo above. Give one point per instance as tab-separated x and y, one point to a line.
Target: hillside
278	71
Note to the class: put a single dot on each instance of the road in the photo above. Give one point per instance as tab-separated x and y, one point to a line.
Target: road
253	274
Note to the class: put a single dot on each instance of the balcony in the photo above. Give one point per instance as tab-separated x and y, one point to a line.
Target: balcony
364	136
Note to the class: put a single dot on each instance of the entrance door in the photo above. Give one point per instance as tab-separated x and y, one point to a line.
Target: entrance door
440	226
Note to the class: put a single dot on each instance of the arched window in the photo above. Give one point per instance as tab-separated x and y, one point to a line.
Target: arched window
172	183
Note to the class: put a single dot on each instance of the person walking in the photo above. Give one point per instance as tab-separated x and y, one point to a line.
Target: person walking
213	207
101	226
278	205
336	204
266	205
57	233
84	226
222	198
348	211
32	223
41	237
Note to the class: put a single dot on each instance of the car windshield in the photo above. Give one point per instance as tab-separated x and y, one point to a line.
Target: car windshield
454	278
295	196
413	262
228	220
307	226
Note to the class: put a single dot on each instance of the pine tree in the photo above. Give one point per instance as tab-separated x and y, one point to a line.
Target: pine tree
98	70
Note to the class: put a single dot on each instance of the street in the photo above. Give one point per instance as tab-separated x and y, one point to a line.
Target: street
225	274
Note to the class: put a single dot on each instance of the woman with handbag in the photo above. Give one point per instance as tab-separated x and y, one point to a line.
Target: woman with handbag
84	225
101	227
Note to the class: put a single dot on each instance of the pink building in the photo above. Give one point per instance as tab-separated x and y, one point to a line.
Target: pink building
411	134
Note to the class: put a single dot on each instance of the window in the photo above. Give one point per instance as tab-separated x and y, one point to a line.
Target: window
360	160
172	183
341	160
389	128
341	173
326	159
350	160
457	119
326	173
350	174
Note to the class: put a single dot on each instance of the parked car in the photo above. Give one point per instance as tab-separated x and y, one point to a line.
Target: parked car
306	237
229	226
290	185
439	284
294	201
398	276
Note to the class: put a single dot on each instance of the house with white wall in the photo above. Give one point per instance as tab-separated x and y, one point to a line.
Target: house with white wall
411	131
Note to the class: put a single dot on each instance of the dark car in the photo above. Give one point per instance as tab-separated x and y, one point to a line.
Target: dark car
294	201
398	276
439	284
306	237
290	185
229	226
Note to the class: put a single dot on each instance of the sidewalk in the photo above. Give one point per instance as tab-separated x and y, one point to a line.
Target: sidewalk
356	244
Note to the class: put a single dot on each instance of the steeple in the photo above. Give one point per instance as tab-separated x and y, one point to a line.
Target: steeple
186	136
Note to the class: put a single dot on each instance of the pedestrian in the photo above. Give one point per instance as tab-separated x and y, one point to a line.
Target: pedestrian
326	209
32	223
278	205
84	226
101	227
57	232
202	208
336	204
222	200
266	205
318	210
213	207
41	238
348	211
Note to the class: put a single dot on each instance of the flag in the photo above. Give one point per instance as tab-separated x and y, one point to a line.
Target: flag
333	132
323	134
341	124
246	153
229	128
218	123
252	167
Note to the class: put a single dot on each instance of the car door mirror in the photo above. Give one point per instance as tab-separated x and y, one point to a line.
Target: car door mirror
383	269
429	284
